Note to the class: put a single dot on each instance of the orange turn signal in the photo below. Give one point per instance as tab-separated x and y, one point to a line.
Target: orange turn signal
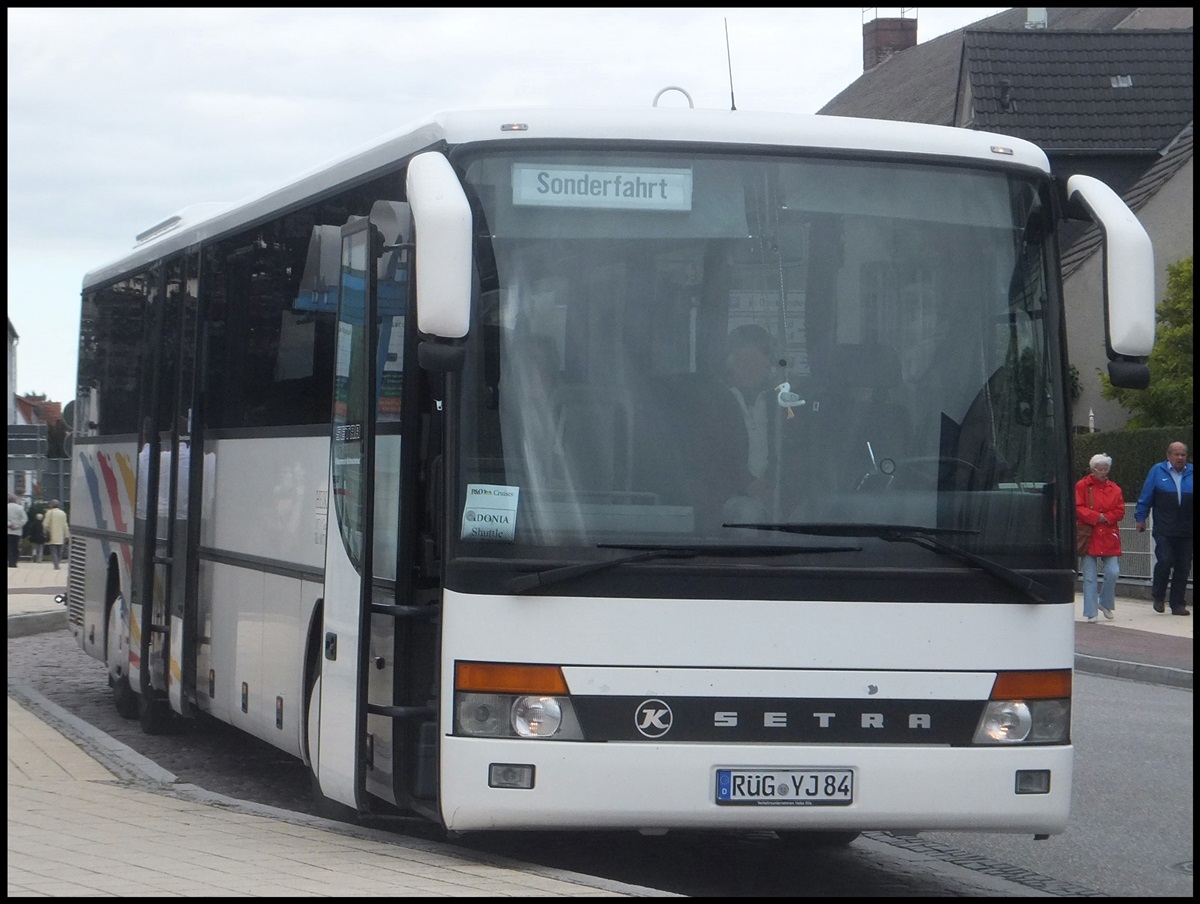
1032	685
507	678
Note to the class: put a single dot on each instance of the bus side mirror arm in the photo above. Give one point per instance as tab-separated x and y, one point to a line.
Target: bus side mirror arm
1126	374
441	356
1128	277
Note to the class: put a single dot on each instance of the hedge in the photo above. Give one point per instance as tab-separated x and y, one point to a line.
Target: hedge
1133	452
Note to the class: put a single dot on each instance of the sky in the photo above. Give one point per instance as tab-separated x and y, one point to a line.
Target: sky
118	118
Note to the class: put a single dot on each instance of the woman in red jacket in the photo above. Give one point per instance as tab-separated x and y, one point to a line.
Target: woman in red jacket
1100	503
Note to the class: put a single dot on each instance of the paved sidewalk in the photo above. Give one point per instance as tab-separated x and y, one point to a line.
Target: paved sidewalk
1138	643
140	837
88	816
72	789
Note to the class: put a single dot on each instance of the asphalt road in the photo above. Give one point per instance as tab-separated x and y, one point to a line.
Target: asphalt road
221	760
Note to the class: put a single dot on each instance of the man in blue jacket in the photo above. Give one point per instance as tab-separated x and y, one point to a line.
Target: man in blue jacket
1168	493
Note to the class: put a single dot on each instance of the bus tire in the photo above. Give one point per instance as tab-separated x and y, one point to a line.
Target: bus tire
124	698
827	838
125	701
323	806
155	716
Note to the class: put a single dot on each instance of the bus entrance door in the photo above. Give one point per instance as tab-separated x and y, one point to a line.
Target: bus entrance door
339	754
162	660
372	709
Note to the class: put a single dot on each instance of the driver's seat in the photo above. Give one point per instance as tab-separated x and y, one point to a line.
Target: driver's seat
860	407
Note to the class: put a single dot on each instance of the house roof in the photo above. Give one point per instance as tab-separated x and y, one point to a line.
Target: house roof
920	84
1064	103
1085	91
37	409
1176	155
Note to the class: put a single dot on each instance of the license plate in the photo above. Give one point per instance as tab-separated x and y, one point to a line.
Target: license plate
785	787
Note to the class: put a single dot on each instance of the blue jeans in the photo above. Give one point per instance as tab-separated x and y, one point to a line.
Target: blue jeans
1108	590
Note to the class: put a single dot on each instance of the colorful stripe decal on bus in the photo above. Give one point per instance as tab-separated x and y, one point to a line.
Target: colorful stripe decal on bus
112	487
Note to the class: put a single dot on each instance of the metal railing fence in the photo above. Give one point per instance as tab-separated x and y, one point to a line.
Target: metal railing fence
1137	550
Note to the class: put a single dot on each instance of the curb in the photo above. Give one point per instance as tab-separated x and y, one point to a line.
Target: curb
1135	671
144	774
27	623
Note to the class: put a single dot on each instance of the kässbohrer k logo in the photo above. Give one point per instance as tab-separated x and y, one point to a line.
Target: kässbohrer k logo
653	718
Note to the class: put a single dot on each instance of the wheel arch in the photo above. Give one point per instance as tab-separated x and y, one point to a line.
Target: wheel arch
312	668
112	590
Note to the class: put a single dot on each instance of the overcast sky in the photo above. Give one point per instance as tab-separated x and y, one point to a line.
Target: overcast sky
119	118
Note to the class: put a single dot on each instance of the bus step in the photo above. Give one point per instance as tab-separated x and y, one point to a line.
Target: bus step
400	712
396	611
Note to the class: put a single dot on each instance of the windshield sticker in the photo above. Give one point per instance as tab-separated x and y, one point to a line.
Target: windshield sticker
601	187
490	512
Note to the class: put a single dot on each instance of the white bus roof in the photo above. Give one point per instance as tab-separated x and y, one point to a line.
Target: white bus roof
201	222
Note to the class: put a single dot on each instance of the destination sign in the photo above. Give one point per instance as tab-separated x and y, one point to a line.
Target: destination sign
601	187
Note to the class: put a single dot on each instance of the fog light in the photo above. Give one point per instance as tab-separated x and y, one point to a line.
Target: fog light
1033	781
510	775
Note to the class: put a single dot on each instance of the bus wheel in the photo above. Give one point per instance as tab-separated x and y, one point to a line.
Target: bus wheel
117	655
818	839
155	716
323	806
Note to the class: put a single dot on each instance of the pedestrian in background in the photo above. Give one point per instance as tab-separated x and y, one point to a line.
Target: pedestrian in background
16	526
1167	493
35	533
1100	506
57	532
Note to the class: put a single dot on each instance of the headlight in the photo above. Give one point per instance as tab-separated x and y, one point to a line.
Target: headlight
482	715
536	717
1024	722
1004	722
1051	721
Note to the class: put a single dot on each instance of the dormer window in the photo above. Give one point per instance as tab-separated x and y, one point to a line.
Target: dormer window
1122	81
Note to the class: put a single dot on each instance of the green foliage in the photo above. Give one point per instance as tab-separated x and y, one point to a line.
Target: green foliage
1075	384
1168	399
1133	453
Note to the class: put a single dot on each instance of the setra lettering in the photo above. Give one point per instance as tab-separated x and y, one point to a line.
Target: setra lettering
731	719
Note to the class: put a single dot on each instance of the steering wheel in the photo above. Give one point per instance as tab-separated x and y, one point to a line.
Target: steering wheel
925	472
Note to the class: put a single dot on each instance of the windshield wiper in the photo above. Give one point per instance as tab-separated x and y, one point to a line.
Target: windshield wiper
527	582
919	536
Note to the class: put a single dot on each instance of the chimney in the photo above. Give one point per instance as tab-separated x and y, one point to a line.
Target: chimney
884	37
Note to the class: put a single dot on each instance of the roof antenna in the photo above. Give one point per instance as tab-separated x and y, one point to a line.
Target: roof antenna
729	58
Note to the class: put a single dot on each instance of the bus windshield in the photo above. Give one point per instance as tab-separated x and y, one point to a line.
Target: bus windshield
694	348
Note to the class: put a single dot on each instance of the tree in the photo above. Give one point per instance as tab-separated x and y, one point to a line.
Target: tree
1167	402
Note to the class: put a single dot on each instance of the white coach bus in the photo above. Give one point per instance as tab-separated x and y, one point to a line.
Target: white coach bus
663	469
